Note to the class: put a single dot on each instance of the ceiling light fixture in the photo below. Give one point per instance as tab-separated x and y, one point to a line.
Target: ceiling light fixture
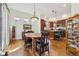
16	18
34	18
53	17
26	20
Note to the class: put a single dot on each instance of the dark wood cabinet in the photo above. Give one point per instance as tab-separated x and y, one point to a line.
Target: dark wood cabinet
51	25
61	23
51	34
42	24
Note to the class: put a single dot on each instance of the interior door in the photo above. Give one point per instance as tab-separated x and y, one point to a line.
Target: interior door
13	32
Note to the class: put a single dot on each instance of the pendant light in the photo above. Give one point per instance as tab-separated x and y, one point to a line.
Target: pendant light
34	18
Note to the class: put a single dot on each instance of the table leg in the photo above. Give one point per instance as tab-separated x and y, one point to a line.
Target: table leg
33	46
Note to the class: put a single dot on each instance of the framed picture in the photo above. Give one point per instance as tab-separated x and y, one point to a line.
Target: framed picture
27	27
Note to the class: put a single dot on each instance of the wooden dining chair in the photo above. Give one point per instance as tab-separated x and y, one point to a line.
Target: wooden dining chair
28	40
42	44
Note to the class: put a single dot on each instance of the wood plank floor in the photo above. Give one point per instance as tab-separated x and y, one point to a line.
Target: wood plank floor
57	48
15	48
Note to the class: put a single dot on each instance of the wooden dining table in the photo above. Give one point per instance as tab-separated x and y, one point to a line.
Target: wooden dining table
33	36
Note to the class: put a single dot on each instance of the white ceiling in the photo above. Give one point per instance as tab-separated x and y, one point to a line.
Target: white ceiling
42	9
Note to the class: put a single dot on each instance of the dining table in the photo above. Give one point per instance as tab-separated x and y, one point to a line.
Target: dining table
33	36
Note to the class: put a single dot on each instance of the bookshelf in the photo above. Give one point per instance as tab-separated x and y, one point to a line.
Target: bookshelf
72	35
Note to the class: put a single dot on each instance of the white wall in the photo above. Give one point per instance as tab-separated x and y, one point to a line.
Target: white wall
74	8
19	24
19	28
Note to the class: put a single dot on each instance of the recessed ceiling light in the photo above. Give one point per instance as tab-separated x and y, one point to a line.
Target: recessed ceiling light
16	18
26	20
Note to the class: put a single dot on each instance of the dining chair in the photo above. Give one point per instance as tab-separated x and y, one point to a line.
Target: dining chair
42	44
28	40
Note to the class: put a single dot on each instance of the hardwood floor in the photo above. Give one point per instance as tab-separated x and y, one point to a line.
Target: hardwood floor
57	48
15	48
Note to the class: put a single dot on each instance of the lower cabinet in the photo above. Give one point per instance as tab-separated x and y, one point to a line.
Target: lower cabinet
51	34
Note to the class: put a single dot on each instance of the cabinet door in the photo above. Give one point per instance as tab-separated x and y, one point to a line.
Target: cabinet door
42	25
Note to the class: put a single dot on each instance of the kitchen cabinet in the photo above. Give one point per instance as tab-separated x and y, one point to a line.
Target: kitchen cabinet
43	24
